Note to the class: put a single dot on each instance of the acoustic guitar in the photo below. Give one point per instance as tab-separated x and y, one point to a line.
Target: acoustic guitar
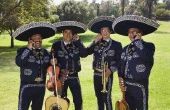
122	104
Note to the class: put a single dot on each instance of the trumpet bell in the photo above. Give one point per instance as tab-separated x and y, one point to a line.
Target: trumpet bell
104	91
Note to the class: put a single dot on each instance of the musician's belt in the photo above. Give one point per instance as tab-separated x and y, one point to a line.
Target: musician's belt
33	82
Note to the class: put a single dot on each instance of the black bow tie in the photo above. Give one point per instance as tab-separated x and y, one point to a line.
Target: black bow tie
69	46
103	43
38	53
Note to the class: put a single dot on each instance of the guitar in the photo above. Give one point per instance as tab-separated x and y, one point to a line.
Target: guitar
56	103
122	104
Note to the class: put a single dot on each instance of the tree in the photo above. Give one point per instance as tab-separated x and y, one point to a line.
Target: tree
8	18
35	10
123	3
53	17
14	14
74	10
167	2
146	7
108	8
131	9
162	13
150	4
6	11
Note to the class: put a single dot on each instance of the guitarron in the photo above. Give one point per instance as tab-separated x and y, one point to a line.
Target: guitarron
122	104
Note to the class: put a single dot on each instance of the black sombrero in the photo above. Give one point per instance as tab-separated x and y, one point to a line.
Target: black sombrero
99	22
24	32
123	23
75	26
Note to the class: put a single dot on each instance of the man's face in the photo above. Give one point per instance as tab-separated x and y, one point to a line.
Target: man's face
67	35
37	41
133	33
105	32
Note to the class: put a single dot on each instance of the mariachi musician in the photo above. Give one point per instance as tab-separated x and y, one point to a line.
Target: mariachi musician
136	59
68	52
106	57
33	61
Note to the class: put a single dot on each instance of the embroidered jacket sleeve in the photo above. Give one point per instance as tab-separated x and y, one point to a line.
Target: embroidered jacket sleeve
144	65
122	63
144	50
118	58
22	56
90	48
82	49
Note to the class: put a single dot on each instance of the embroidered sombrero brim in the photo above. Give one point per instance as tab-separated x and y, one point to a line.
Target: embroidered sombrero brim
24	32
123	23
75	26
97	23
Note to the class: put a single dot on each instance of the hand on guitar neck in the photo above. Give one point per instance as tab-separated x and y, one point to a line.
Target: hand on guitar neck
122	84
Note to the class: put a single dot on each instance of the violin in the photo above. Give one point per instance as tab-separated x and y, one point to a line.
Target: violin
51	82
54	83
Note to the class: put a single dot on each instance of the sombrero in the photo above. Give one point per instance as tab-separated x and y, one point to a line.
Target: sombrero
24	32
97	23
75	26
123	23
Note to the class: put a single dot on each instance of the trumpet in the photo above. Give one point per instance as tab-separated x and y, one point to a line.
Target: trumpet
104	78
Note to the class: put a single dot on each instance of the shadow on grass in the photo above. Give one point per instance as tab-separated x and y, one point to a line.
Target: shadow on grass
7	59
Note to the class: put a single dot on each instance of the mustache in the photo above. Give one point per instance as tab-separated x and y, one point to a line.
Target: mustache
37	41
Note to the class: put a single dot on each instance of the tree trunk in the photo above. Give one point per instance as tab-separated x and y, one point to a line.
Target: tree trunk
12	40
123	6
98	10
150	9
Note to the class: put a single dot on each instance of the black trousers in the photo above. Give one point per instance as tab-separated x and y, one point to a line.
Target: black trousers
31	93
103	99
136	96
74	84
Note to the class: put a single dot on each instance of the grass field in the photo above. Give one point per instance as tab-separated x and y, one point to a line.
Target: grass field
159	94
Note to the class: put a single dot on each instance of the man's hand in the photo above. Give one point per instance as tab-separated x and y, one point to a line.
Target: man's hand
108	72
30	44
138	36
122	84
53	62
98	38
76	37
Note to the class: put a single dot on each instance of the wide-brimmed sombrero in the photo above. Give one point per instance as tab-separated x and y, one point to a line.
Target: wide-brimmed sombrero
75	26
24	32
123	23
97	23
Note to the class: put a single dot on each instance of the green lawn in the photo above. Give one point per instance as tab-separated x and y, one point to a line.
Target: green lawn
159	95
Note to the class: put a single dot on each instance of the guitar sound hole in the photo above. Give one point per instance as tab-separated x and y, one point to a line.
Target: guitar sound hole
56	107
